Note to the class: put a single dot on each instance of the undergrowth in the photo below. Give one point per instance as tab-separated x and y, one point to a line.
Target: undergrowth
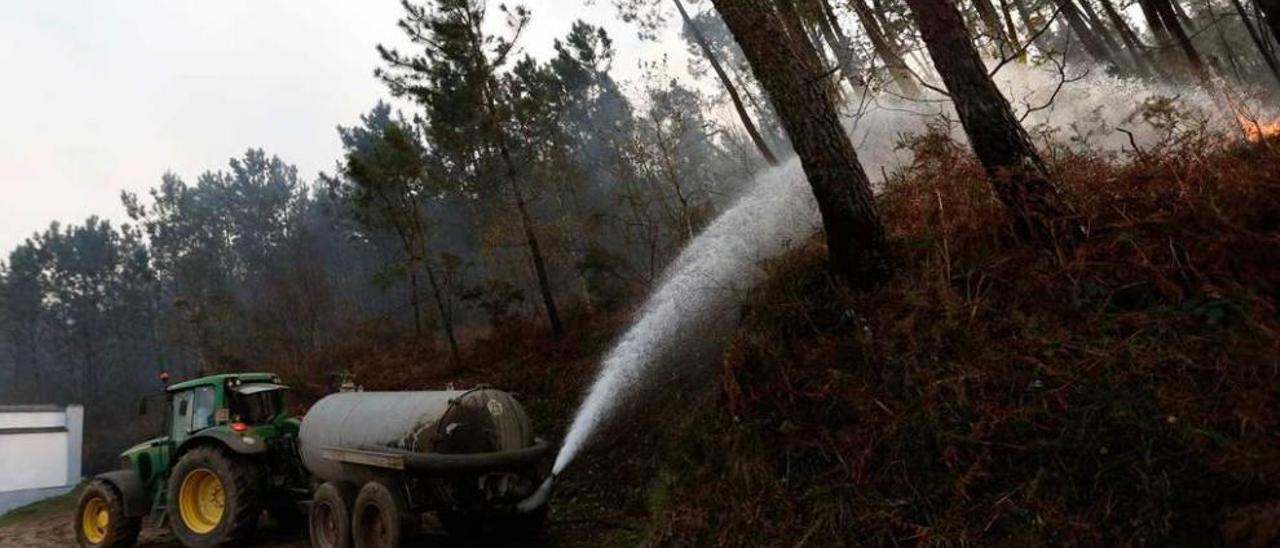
1121	391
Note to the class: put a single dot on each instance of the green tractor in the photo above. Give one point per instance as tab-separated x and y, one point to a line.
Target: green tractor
228	452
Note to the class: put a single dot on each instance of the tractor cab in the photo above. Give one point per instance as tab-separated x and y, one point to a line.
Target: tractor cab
227	446
232	402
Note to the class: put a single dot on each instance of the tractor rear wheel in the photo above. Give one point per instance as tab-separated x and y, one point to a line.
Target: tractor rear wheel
215	498
100	520
380	517
330	521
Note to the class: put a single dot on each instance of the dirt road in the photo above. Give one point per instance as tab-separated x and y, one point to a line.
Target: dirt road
54	531
50	527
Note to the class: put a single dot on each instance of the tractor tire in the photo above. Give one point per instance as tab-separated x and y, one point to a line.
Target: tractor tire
329	525
215	498
100	521
380	517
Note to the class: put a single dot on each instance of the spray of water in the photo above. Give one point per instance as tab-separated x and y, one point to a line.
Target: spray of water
718	264
709	277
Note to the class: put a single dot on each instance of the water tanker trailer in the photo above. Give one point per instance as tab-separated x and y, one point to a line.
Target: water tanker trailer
361	468
380	460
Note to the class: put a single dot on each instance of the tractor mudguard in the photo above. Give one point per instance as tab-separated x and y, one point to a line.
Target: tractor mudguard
131	489
231	440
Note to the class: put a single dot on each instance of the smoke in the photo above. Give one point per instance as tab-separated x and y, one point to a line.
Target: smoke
703	286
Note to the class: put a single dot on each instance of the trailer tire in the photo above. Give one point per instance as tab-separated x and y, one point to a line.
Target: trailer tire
380	517
100	521
329	524
214	498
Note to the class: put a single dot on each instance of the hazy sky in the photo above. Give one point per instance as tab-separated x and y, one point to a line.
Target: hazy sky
107	95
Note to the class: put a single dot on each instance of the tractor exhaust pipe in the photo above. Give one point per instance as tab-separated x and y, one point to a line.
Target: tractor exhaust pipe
538	498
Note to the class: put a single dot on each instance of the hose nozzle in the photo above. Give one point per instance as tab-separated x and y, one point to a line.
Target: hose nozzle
538	499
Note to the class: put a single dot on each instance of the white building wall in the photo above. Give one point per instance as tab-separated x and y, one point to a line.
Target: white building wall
32	461
40	449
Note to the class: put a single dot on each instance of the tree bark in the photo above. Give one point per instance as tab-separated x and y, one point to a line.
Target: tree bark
1092	43
885	50
1258	40
446	316
1011	26
1164	24
1020	178
1137	51
499	135
414	300
787	66
1100	27
1024	13
734	97
841	44
991	22
1271	12
531	237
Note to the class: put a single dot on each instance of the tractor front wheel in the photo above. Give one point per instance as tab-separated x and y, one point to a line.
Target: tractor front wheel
100	520
215	498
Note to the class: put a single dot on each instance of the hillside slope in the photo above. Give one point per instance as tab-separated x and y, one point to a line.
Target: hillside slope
1122	391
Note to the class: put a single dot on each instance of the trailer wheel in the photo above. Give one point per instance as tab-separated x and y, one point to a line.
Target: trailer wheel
330	521
380	517
100	520
214	498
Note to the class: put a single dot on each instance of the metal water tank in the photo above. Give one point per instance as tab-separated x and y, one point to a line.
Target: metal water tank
477	421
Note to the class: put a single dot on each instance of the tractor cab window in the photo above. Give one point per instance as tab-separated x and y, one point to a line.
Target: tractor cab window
202	408
256	407
181	413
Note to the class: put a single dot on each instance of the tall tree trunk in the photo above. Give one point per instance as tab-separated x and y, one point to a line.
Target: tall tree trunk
1092	43
736	99
991	22
1010	25
1258	40
1271	12
495	123
1164	24
885	50
446	316
1167	12
1020	178
414	300
787	66
1137	52
840	44
1024	13
1227	51
526	222
1181	14
535	248
1100	27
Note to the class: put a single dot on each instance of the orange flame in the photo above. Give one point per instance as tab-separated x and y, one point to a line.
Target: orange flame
1259	130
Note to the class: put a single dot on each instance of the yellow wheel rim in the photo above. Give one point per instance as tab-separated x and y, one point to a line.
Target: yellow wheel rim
95	520
200	501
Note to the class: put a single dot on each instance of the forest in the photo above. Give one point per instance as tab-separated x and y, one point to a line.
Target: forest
1012	276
